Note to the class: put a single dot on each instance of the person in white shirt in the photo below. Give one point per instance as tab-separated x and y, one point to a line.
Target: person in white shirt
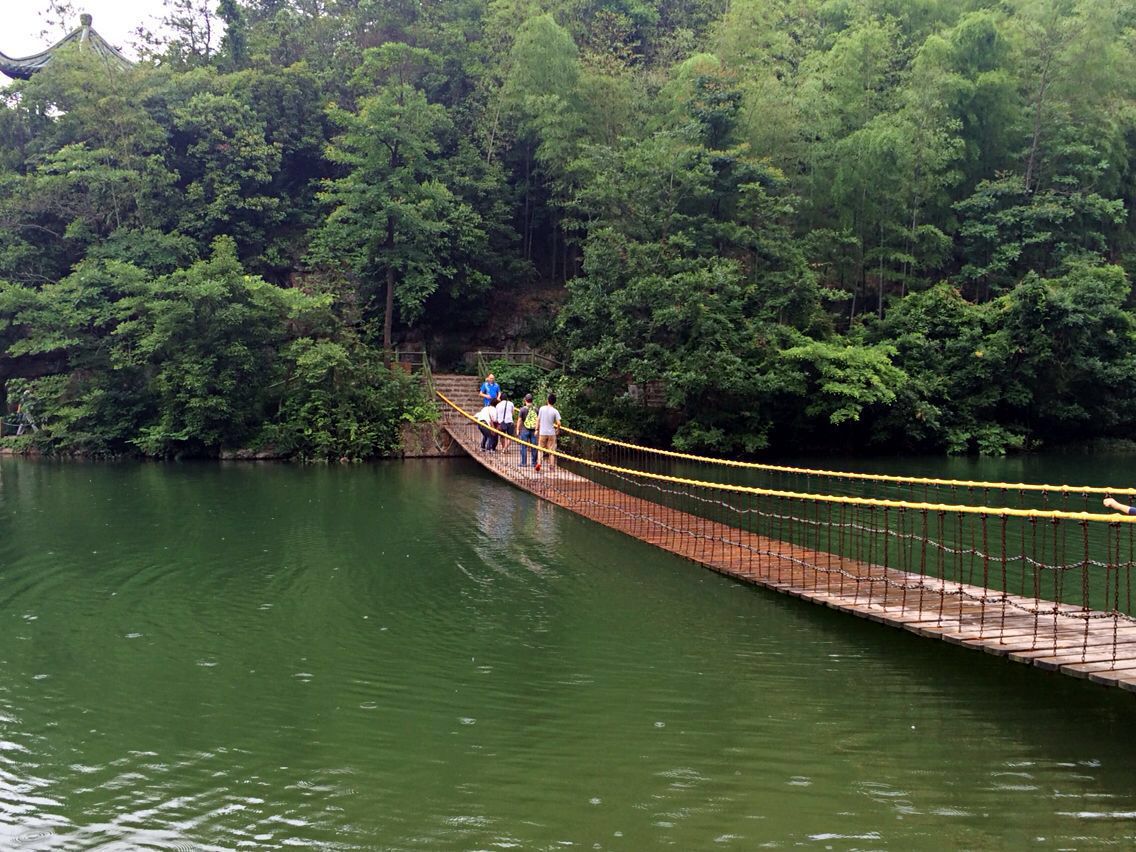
485	422
548	425
506	412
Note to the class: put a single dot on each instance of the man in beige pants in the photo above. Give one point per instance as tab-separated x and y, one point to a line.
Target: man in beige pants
548	424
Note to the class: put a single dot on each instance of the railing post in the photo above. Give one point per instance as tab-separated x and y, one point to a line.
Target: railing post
428	375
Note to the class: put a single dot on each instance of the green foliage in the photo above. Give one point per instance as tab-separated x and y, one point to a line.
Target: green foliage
1052	360
92	408
227	170
205	339
340	402
199	360
1011	232
839	381
693	324
955	387
543	88
516	380
419	405
1070	343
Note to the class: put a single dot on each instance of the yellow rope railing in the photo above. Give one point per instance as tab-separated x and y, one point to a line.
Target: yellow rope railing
870	477
798	495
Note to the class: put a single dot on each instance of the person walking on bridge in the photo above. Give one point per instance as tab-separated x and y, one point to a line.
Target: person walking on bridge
506	413
548	425
527	423
489	392
486	423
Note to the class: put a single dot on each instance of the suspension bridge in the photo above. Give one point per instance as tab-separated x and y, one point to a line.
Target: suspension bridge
1035	573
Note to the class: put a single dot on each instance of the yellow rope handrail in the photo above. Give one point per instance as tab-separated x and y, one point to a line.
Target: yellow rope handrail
822	498
873	477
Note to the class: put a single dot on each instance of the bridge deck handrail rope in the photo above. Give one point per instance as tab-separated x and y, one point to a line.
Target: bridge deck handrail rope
1041	514
872	477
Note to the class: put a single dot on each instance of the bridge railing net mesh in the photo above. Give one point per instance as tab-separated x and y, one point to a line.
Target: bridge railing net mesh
981	556
1062	579
1065	497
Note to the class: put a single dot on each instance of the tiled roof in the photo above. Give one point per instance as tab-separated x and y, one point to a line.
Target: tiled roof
85	36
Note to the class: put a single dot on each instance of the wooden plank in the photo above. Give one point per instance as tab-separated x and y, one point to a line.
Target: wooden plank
1023	646
1095	666
1044	658
1123	678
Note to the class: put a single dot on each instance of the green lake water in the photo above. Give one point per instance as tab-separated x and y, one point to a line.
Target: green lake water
416	656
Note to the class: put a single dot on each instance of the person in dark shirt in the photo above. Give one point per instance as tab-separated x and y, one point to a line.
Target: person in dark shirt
527	421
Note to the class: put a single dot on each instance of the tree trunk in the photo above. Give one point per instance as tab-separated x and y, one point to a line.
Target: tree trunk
552	250
491	141
909	269
527	239
1035	140
880	302
1035	143
388	316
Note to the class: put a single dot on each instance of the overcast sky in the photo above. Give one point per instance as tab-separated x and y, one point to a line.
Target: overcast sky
115	20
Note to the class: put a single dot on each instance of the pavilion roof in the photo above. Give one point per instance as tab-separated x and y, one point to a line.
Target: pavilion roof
85	36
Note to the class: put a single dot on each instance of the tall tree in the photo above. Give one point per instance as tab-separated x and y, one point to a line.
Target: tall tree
389	212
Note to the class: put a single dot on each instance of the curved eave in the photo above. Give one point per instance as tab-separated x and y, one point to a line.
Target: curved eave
24	67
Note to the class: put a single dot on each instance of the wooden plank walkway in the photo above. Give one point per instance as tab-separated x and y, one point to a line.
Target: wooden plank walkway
1100	647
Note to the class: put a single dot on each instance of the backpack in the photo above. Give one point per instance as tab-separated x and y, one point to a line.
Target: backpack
532	418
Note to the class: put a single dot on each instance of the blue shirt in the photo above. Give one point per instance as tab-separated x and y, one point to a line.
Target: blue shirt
494	391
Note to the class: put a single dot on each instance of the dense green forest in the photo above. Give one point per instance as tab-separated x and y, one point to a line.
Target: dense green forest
897	224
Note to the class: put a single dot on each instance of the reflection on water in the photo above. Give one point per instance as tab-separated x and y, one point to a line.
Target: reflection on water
415	656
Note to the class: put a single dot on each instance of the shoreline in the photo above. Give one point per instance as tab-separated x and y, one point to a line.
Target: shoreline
417	441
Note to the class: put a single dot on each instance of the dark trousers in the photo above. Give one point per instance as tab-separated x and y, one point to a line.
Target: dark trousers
488	439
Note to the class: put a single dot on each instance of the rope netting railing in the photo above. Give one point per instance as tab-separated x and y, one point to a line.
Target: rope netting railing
1083	498
1038	577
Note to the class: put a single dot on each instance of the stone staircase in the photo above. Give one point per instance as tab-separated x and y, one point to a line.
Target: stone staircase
435	440
461	389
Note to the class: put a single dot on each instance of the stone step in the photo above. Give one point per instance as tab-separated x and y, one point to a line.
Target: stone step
460	388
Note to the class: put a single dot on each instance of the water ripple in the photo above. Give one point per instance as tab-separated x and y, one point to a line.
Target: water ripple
286	657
